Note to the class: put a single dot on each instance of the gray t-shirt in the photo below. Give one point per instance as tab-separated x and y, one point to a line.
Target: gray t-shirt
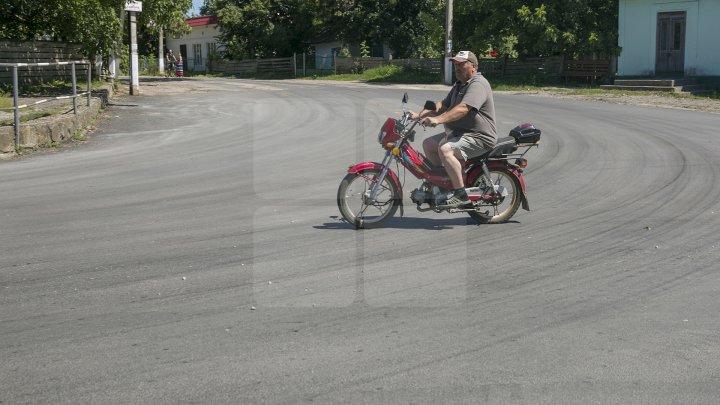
480	121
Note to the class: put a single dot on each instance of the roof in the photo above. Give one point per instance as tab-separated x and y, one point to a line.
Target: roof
202	20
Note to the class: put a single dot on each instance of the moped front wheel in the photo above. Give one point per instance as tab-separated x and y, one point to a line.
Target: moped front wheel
355	205
507	199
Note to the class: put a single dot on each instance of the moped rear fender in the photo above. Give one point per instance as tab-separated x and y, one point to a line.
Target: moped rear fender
499	164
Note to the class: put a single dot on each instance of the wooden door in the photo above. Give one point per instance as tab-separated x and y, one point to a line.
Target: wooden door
670	52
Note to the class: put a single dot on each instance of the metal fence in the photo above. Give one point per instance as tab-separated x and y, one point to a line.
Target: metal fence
16	104
301	65
275	66
309	64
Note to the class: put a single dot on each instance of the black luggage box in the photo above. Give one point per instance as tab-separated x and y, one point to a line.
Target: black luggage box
525	133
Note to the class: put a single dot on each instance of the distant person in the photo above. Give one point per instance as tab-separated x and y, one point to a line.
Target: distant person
170	62
179	66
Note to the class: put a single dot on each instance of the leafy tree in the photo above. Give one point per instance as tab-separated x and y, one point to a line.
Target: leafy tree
262	28
166	14
405	25
537	27
91	23
94	24
587	27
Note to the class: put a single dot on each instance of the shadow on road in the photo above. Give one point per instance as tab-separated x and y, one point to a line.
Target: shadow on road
405	223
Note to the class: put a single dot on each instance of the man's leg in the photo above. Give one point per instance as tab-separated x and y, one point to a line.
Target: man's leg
452	164
451	154
431	146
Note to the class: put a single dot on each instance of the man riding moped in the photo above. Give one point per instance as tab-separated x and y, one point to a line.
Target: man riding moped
468	115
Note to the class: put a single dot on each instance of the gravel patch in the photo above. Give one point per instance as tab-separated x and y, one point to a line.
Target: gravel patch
659	101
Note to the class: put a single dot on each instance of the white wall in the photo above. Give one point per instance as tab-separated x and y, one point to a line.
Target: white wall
637	36
708	59
323	54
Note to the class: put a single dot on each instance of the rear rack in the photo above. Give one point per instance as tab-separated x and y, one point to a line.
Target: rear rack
527	147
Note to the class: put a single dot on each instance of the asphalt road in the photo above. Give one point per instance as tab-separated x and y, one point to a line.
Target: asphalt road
192	252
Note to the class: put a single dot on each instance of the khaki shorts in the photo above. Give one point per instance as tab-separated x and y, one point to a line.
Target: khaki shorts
468	146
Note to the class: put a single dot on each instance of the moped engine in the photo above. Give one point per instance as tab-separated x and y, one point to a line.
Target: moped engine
428	194
420	196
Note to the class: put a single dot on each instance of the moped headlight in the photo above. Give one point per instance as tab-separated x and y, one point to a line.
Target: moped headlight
381	135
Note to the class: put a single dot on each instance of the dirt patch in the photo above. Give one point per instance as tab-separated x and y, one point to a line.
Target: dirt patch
660	101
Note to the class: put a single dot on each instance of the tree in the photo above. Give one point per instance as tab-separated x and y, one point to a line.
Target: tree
94	24
537	27
587	27
407	26
262	28
166	14
416	28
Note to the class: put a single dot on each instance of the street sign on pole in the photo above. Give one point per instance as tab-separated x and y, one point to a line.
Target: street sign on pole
133	6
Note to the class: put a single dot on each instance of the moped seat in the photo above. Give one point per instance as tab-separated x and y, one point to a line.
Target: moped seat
504	146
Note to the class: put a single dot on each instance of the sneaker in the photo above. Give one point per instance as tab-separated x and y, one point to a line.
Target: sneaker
458	198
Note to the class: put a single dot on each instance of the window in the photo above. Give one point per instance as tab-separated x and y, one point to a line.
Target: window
197	55
211	47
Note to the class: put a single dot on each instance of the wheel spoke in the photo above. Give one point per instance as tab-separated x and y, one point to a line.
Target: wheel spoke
501	208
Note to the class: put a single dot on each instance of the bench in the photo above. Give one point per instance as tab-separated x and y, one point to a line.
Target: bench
588	68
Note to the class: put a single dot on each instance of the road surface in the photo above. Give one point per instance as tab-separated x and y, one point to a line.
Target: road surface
192	252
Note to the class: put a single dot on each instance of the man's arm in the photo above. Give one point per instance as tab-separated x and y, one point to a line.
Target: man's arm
426	112
451	115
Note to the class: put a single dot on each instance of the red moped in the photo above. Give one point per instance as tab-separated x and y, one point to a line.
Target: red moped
371	192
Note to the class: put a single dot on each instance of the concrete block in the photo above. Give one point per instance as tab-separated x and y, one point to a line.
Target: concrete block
28	136
7	139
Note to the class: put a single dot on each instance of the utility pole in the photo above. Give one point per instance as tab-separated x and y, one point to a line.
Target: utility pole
448	41
133	7
161	47
161	53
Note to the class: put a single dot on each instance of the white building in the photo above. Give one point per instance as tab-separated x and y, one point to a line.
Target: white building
324	53
196	46
669	38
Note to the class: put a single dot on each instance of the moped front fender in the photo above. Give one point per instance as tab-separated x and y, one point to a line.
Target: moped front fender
495	164
373	165
377	166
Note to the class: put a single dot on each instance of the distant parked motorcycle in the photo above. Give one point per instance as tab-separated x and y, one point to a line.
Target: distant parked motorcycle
371	192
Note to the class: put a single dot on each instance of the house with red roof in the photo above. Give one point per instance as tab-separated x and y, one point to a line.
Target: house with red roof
197	46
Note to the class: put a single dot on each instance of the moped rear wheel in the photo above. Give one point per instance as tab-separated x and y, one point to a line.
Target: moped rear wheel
355	206
503	207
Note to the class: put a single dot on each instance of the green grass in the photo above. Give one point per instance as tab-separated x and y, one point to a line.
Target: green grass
386	74
79	135
48	89
32	115
6	102
51	88
26	117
